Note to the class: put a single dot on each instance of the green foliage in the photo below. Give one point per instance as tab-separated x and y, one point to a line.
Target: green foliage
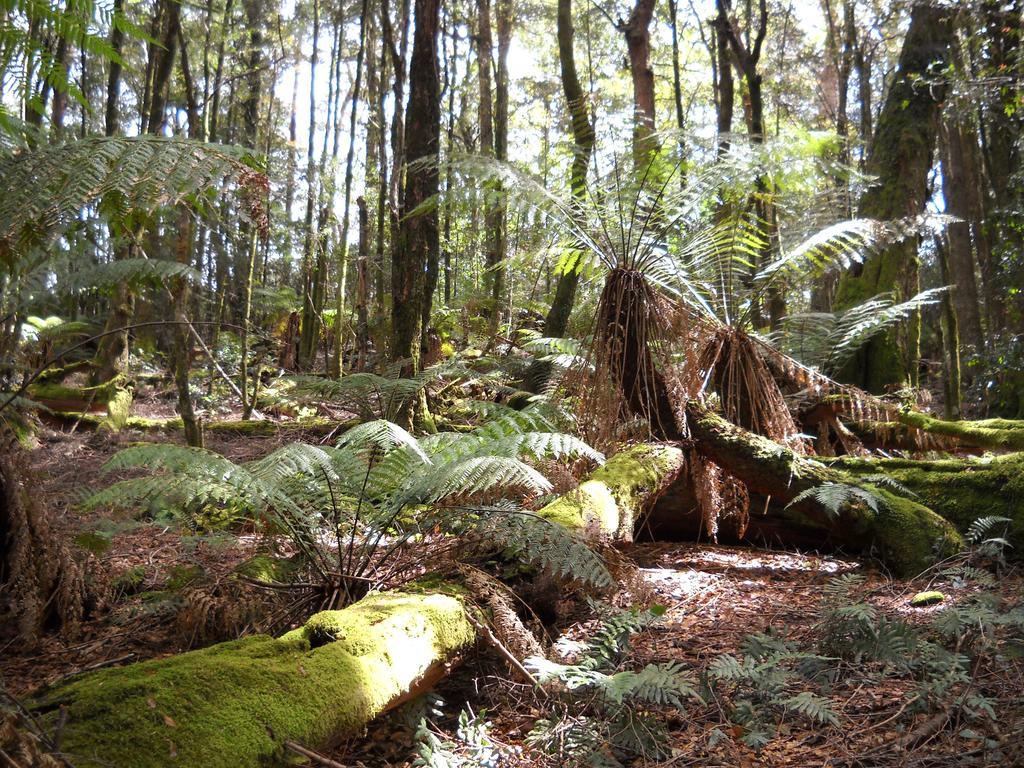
471	747
29	57
45	188
349	507
604	715
834	496
758	683
829	340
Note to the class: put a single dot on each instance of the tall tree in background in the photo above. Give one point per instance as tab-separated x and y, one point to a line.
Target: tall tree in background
900	157
418	236
581	123
637	31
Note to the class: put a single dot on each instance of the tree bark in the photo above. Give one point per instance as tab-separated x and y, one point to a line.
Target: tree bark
418	236
901	158
637	32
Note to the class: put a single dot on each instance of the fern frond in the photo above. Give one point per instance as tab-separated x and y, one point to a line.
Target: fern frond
834	496
816	708
132	272
979	530
383	435
47	186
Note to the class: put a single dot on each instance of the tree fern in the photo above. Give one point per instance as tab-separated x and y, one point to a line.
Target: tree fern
828	341
347	507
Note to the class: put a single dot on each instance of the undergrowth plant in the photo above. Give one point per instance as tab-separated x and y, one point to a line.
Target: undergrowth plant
353	510
755	689
604	714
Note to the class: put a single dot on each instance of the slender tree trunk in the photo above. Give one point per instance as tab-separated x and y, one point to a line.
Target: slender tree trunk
112	350
725	85
307	339
60	95
638	43
339	318
418	235
362	287
500	234
486	124
163	65
955	188
449	63
677	89
949	327
581	122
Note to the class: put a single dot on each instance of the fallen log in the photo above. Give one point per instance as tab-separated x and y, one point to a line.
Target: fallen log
238	703
993	434
609	503
961	490
908	535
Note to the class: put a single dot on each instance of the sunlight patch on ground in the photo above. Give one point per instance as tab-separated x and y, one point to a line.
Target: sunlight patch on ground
669	582
727	559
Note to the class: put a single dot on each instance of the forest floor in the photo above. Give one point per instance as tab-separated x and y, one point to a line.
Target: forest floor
714	597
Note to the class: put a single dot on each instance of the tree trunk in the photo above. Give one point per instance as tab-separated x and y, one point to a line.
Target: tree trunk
611	502
582	124
955	189
418	239
909	536
961	490
901	158
339	317
362	288
638	43
307	338
725	87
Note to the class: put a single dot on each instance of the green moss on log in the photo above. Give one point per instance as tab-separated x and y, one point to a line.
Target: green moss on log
994	434
961	490
908	535
609	502
234	704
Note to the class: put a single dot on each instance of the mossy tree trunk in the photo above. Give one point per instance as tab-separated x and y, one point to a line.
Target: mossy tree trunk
900	156
610	502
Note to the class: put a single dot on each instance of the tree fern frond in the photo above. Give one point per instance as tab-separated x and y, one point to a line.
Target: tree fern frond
47	186
475	475
834	496
132	272
382	434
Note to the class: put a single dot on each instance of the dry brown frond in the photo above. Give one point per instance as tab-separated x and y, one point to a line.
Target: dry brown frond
629	385
44	586
723	500
749	394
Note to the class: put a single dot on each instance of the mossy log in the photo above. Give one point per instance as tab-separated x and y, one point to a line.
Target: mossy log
608	504
908	535
265	427
236	703
961	490
993	434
